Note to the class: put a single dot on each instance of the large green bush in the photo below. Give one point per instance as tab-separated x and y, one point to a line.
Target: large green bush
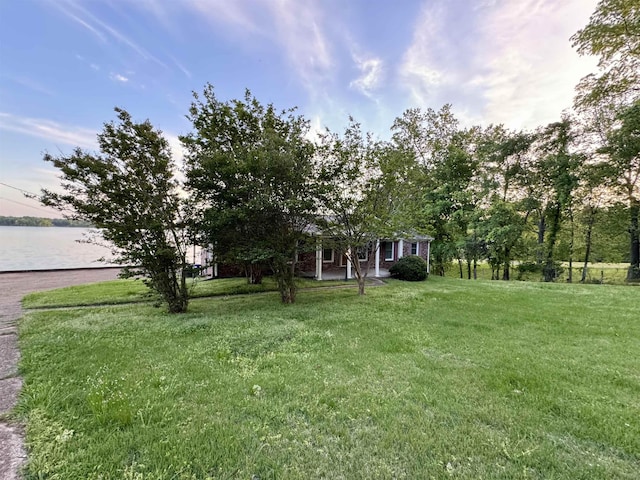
411	268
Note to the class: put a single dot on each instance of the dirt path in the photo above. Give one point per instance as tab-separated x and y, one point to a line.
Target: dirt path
14	286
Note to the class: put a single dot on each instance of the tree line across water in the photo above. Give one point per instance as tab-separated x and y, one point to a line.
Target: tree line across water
41	222
258	189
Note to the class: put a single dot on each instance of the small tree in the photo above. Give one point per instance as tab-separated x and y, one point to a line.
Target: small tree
130	194
363	196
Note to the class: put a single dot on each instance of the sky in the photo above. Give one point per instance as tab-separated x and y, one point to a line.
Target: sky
65	65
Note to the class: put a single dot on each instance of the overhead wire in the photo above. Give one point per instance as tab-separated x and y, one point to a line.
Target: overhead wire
29	195
18	189
24	204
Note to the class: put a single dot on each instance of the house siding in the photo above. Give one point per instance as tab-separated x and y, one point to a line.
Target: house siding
307	260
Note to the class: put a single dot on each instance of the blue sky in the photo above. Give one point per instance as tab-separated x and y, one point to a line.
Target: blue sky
65	64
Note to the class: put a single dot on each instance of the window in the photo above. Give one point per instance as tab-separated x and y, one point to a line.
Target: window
388	251
415	249
362	254
327	255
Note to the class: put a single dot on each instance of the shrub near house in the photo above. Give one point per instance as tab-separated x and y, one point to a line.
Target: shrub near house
411	268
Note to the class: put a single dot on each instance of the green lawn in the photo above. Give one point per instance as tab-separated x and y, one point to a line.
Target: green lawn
439	379
135	291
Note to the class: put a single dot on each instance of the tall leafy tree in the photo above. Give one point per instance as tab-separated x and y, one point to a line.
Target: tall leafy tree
130	194
364	198
613	34
508	196
592	196
559	166
623	150
251	170
611	97
446	168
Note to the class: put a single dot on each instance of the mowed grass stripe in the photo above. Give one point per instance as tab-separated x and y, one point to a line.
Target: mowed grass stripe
439	379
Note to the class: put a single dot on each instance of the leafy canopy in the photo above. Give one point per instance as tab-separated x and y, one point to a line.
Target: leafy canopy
130	194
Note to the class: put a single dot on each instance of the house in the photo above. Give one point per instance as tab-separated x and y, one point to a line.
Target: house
331	263
328	262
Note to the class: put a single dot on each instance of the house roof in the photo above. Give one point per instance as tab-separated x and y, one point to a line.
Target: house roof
315	230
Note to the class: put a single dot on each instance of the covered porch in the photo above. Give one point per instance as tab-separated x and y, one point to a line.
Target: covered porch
333	264
341	274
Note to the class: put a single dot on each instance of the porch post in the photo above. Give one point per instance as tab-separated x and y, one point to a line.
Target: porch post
319	258
400	248
349	263
378	257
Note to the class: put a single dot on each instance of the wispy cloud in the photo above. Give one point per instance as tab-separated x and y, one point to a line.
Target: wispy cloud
118	78
526	70
92	65
371	69
181	67
30	84
299	31
242	16
49	130
421	70
502	61
105	32
101	36
295	26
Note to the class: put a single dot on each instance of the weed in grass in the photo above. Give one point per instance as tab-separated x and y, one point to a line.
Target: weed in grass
109	400
55	444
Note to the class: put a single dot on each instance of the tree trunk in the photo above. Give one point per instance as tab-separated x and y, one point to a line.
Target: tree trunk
475	269
285	277
542	228
287	289
468	270
460	267
360	277
633	274
587	241
170	281
254	274
507	264
288	294
361	282
549	269
182	298
570	278
571	242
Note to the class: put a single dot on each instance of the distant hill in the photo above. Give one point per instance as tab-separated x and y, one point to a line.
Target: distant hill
41	222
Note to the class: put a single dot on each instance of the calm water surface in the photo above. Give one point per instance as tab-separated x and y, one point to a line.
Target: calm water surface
42	248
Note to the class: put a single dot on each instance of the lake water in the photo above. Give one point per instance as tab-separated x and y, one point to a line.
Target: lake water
43	248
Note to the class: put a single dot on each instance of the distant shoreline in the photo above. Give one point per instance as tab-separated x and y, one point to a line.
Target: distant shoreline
47	226
42	222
